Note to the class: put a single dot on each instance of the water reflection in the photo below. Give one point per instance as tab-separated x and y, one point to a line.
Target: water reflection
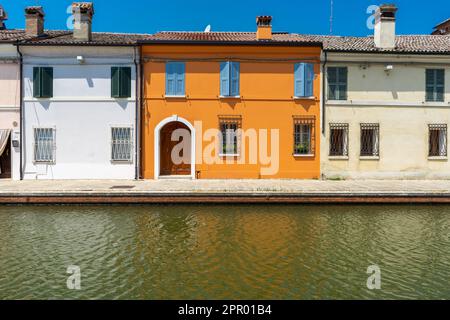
214	252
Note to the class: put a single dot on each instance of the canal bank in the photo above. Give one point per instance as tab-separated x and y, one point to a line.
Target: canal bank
223	191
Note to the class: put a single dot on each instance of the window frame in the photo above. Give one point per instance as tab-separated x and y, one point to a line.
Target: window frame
53	146
232	68
121	78
230	120
177	76
303	80
337	83
39	82
438	127
345	144
435	86
375	154
299	121
131	144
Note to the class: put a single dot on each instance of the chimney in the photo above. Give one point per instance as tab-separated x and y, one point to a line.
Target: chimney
384	35
3	17
264	31
34	21
82	27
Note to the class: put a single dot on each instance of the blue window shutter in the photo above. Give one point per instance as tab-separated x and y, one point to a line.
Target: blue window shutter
180	72
234	87
224	79
299	76
309	79
170	79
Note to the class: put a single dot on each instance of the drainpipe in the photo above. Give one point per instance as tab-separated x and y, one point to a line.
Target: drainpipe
22	127
138	98
324	90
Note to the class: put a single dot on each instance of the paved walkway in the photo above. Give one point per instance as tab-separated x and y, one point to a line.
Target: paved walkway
224	191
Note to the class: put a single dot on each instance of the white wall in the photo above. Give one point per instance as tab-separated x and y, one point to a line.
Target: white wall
81	111
10	99
397	102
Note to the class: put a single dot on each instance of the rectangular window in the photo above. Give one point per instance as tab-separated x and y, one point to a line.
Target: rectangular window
229	128
370	133
435	85
229	79
437	143
304	128
121	82
42	82
121	144
44	145
175	75
339	139
337	83
303	80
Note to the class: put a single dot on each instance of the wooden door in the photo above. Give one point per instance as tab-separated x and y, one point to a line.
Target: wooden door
5	161
166	163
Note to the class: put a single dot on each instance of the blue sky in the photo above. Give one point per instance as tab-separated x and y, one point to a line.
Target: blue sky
232	15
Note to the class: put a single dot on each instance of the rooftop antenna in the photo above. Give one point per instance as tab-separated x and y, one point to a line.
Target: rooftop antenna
331	17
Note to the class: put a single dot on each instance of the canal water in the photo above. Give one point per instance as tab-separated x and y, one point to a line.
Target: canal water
224	252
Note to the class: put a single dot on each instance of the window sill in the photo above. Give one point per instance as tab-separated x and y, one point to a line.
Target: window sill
175	97
369	157
229	97
121	161
438	158
338	157
44	162
229	155
304	98
303	155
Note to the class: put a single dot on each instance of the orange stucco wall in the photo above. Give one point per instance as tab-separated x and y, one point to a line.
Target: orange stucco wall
266	102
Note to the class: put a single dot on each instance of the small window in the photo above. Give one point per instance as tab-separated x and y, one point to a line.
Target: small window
121	82
437	144
121	144
339	139
435	85
370	139
304	128
229	79
304	79
229	128
337	83
42	82
175	74
44	145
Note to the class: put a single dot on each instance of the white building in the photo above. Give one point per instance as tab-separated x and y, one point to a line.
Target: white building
387	105
9	101
79	101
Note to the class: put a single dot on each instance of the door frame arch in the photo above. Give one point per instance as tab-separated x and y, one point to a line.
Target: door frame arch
157	143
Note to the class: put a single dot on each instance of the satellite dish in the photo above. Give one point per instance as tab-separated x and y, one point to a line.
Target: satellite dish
208	28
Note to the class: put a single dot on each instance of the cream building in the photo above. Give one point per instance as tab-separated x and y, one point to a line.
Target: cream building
386	105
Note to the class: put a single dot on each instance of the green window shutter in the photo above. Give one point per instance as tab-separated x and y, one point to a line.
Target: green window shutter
342	78
332	79
125	82
115	82
434	84
46	82
36	82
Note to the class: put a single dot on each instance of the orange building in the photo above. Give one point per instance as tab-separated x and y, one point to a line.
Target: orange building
231	105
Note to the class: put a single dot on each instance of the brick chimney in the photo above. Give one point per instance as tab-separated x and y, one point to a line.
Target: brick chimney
34	21
82	14
264	25
3	17
384	35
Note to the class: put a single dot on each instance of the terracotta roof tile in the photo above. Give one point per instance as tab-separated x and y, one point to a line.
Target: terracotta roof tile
13	35
98	38
227	37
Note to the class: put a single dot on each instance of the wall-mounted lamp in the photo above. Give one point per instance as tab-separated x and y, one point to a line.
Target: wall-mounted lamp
388	68
80	59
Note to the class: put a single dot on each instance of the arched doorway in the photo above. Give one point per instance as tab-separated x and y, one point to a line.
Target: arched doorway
174	148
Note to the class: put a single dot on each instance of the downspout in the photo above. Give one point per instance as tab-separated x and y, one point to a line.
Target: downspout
324	89
137	114
22	127
141	105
